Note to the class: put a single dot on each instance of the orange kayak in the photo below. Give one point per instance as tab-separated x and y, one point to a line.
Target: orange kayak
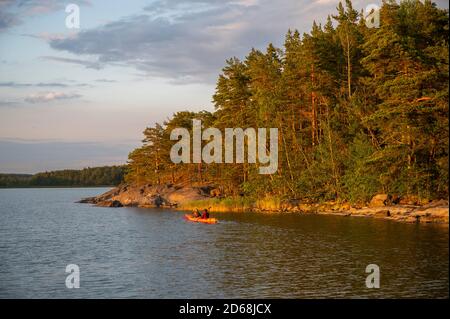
201	220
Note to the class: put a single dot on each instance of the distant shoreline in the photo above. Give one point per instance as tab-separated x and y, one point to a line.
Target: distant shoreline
28	187
105	176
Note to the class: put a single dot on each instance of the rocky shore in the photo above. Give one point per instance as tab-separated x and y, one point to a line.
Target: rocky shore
164	196
381	206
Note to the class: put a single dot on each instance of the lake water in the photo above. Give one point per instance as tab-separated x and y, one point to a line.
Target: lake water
152	253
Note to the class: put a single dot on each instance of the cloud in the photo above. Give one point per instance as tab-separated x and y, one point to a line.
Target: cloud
327	2
88	64
186	39
189	41
21	85
13	12
8	103
47	36
105	81
12	84
7	20
51	84
43	97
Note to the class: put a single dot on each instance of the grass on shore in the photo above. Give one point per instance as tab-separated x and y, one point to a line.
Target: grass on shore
233	204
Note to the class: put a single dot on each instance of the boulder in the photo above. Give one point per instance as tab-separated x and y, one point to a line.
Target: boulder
110	203
382	213
205	190
116	203
436	203
215	192
409	200
432	214
395	200
379	200
159	201
89	200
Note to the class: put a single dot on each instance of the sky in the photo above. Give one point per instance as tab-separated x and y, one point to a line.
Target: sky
73	98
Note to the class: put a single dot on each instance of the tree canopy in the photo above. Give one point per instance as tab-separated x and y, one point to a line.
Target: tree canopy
359	111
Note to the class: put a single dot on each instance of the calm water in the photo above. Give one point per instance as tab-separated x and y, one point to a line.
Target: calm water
149	253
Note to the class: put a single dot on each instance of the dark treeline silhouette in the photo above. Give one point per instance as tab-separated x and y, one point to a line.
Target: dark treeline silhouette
15	180
95	176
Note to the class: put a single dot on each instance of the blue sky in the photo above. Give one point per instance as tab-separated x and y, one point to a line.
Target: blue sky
66	92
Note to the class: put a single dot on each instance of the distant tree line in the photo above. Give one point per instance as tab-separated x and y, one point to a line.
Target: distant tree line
15	180
92	176
359	111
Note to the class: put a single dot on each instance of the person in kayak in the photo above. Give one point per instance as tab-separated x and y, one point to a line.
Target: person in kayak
205	214
196	213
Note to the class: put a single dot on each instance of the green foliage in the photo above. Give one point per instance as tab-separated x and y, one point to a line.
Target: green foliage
360	179
221	204
358	110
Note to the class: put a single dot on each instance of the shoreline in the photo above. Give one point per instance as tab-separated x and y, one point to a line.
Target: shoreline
436	212
188	198
38	187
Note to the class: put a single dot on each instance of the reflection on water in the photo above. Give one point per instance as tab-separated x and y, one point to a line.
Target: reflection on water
149	253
